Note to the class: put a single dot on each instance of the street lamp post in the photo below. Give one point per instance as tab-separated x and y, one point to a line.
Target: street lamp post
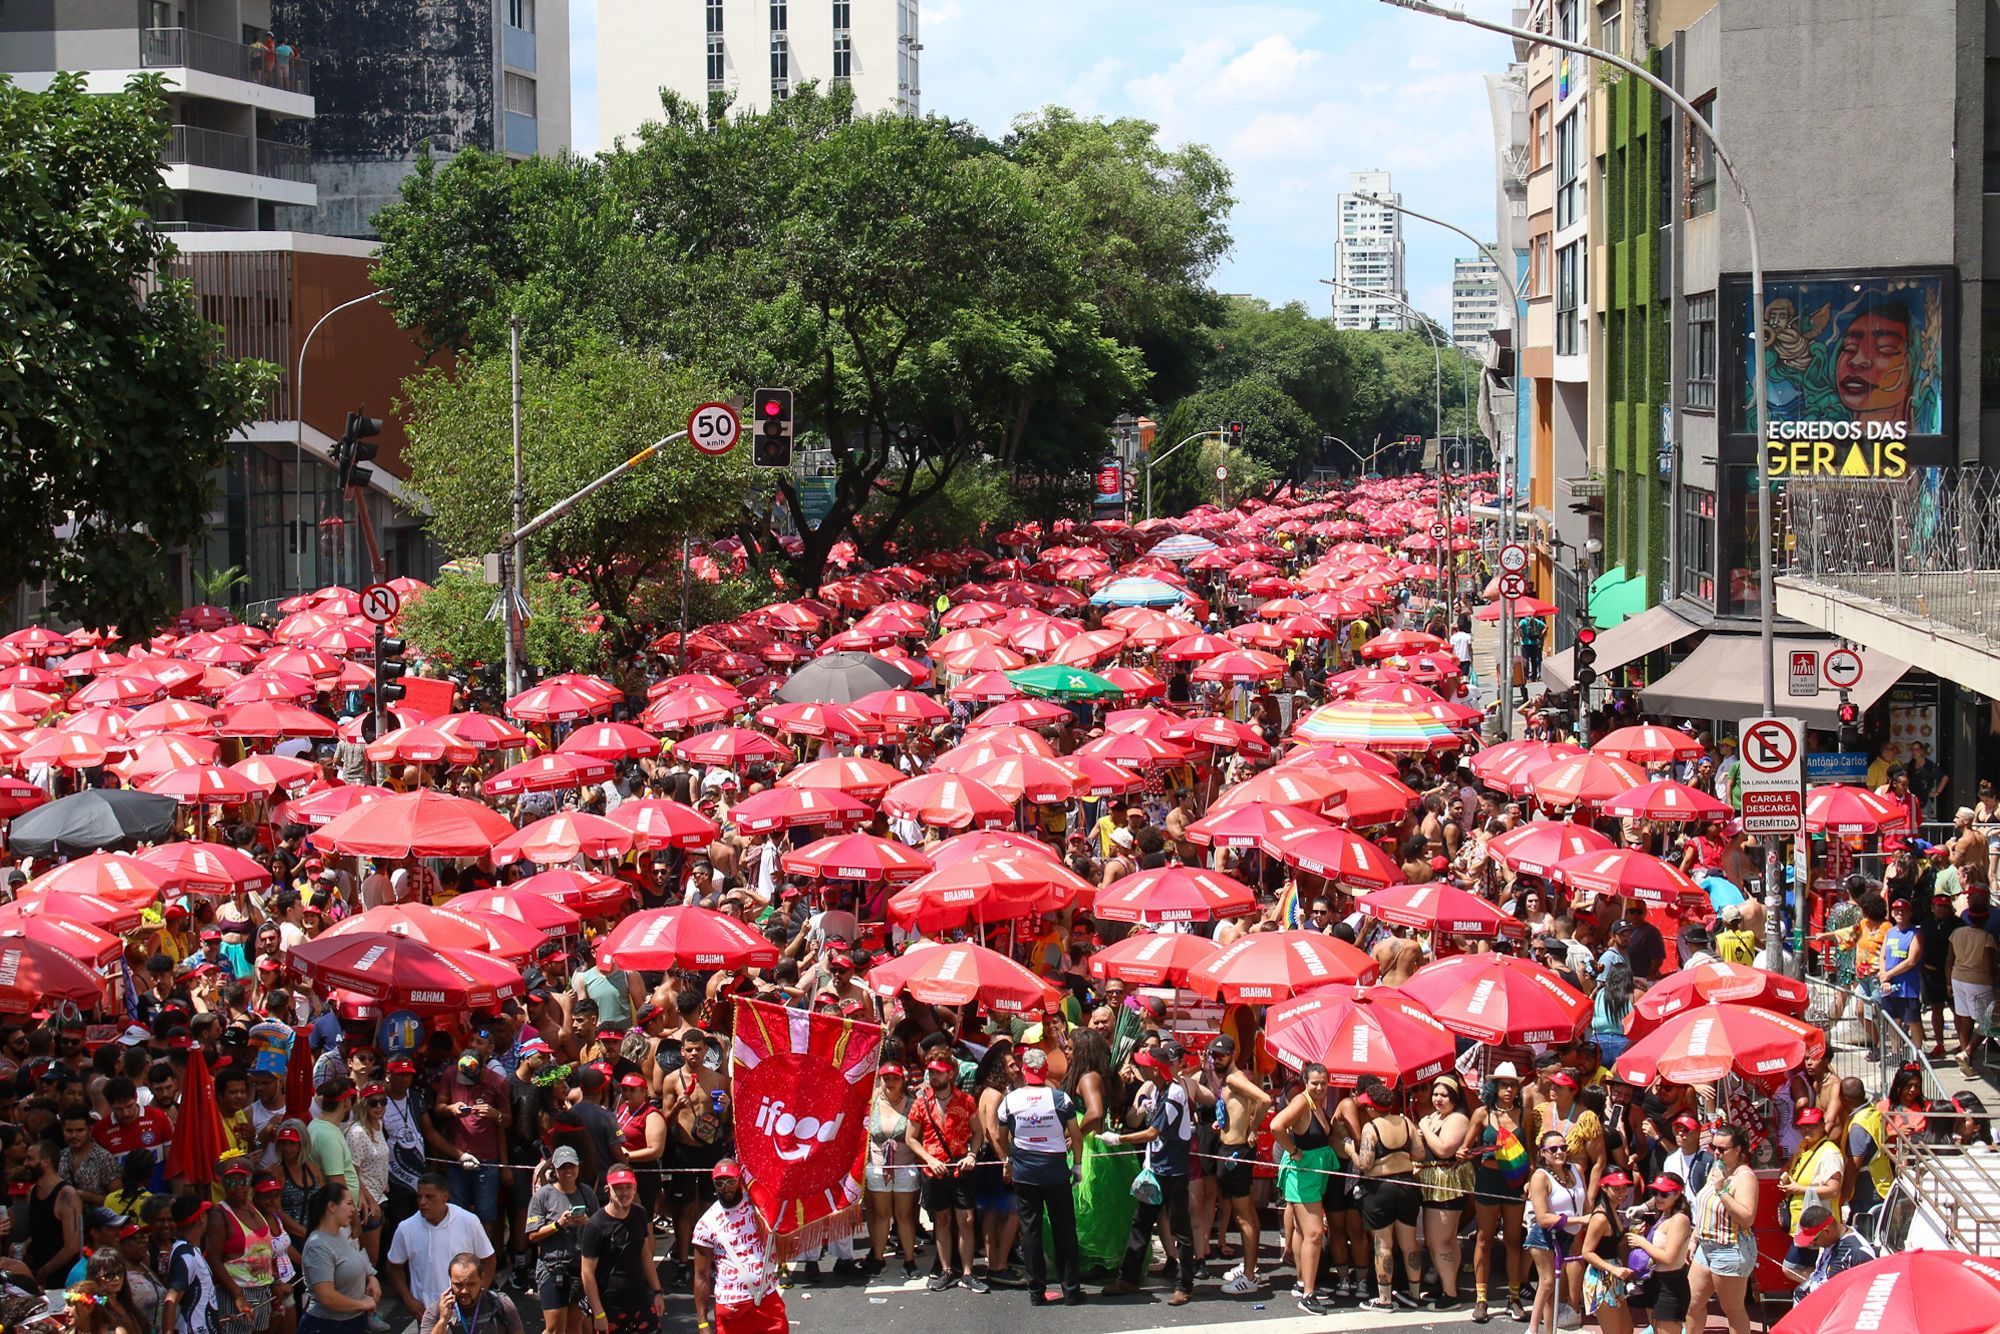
1152	458
299	434
1774	894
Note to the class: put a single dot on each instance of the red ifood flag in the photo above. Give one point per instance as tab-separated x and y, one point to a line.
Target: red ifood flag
802	1083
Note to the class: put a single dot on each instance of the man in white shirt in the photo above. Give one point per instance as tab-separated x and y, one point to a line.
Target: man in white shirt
420	1255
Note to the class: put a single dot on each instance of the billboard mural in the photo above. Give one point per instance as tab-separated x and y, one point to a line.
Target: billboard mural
1860	369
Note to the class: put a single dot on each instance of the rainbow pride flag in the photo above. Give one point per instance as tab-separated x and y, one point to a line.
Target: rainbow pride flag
1511	1157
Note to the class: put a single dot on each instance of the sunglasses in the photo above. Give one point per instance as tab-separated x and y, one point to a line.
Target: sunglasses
378	1102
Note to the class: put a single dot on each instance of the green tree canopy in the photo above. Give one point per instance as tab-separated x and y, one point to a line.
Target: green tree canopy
115	402
451	625
1279	441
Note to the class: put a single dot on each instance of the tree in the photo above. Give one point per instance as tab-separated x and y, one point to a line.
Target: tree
579	420
217	588
115	400
1279	442
451	624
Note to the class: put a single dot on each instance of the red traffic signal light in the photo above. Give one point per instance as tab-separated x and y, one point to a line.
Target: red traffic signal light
1849	713
773	408
1587	635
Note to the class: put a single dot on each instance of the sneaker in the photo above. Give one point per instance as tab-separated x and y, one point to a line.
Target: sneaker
1406	1300
937	1282
1342	1287
662	1225
1298	1289
909	1270
1076	1298
1240	1285
973	1283
1180	1298
1234	1271
1120	1288
1313	1306
377	1325
1010	1277
1568	1317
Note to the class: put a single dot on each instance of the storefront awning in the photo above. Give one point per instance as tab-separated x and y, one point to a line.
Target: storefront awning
1723	680
1628	641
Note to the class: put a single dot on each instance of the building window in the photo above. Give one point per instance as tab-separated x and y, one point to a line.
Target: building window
1701	351
843	56
1538	266
1541	139
843	15
1569	171
1611	26
1699	155
1569	297
778	23
519	93
1697	553
714	18
521	14
715	63
1566	20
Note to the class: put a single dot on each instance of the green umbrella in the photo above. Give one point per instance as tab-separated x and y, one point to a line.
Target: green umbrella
1612	602
1053	681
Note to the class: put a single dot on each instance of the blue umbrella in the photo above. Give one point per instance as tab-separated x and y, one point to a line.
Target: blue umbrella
1136	592
1182	546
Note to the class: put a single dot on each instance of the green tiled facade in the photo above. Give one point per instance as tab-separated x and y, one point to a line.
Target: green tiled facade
1636	497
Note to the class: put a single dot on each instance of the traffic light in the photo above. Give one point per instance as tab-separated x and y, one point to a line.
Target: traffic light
1234	430
355	448
390	669
1584	656
772	445
1849	714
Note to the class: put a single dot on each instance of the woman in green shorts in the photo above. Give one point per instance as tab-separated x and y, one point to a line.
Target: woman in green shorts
1304	1135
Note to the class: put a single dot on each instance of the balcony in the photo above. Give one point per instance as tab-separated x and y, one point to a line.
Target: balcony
190	145
185	48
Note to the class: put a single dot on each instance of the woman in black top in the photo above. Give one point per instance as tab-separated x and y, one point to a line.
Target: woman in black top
1606	1277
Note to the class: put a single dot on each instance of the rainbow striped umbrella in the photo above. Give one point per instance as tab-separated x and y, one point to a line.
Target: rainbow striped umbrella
1378	726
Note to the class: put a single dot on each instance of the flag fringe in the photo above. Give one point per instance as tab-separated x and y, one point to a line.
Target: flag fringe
820	1232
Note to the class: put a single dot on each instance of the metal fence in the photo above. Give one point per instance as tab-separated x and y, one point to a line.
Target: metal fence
1845	1016
169	48
1927	545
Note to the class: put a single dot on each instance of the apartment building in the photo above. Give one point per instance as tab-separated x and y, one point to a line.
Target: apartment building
1368	256
1475	304
756	51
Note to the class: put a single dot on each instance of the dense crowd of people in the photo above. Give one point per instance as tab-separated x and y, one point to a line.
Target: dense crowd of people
379	1147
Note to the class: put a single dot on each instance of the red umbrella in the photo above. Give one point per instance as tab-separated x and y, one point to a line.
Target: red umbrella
272	718
856	775
205	785
901	708
1627	874
1442	908
730	747
1020	713
1276	965
857	857
1648	744
962	974
1588	780
565	837
34	973
68	750
1838	809
1667	801
1306	789
995	885
421	743
1536	848
1249	824
416	824
172	715
18	796
1938	1292
692	707
320	808
1716	984
1034	777
481	731
1221	734
797	808
1366	1031
948	802
1133	750
661	823
1338	855
1173	894
610	741
541	912
836	721
271	772
444	928
696	939
405	971
587	892
554	772
561	702
1150	959
1524	606
118	876
1241	667
88	944
1499	998
90	909
196	1151
205	868
1701	1045
985	688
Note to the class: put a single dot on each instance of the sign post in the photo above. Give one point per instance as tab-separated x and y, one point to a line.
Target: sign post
1773	758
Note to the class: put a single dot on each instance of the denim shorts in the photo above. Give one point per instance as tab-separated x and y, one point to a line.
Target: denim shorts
1537	1238
1738	1260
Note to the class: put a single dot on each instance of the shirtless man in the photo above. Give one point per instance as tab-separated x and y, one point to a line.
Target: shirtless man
1398	956
1178	819
1244	1105
698	1125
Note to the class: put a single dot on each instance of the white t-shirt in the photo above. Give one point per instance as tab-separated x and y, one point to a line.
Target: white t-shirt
742	1250
427	1249
1461	645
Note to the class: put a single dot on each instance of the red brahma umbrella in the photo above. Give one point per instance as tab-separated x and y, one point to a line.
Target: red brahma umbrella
1276	965
962	974
1359	1032
689	938
1499	998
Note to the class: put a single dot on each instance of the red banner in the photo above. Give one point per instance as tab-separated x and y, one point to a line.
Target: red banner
803	1083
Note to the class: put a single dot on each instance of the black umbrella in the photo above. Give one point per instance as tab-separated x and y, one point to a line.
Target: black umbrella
97	820
842	678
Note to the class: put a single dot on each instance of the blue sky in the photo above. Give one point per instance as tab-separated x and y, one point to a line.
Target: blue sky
1291	96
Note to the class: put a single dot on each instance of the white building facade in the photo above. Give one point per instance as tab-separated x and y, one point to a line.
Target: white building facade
756	50
1475	304
1368	255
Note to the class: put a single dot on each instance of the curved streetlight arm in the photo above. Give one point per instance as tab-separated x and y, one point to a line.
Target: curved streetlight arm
299	428
1162	456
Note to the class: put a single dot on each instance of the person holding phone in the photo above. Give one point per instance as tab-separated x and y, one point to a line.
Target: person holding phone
556	1213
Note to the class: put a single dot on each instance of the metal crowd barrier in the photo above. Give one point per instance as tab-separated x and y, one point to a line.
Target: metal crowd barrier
1843	1013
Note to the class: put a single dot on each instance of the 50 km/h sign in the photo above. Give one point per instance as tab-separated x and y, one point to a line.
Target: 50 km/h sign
1773	776
713	428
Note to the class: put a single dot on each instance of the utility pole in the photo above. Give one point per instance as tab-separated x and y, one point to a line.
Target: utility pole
512	585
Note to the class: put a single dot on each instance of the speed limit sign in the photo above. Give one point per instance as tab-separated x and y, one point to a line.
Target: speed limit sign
713	428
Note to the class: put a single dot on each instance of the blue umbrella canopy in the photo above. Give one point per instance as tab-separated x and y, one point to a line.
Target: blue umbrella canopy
1182	546
1136	591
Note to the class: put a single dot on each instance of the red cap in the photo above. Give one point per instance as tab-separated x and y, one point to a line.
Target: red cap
267	964
375	1091
402	1065
1440	864
1686	1122
727	1168
1809	1116
288	1135
268	1186
634	1080
620	1176
1661	1185
943	1064
892	1070
1899	903
1563	1079
1614	1179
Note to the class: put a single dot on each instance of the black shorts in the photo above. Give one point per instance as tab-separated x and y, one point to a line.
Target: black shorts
1937	989
945	1193
1386	1201
559	1285
1235	1177
1664	1295
690	1179
1339	1195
